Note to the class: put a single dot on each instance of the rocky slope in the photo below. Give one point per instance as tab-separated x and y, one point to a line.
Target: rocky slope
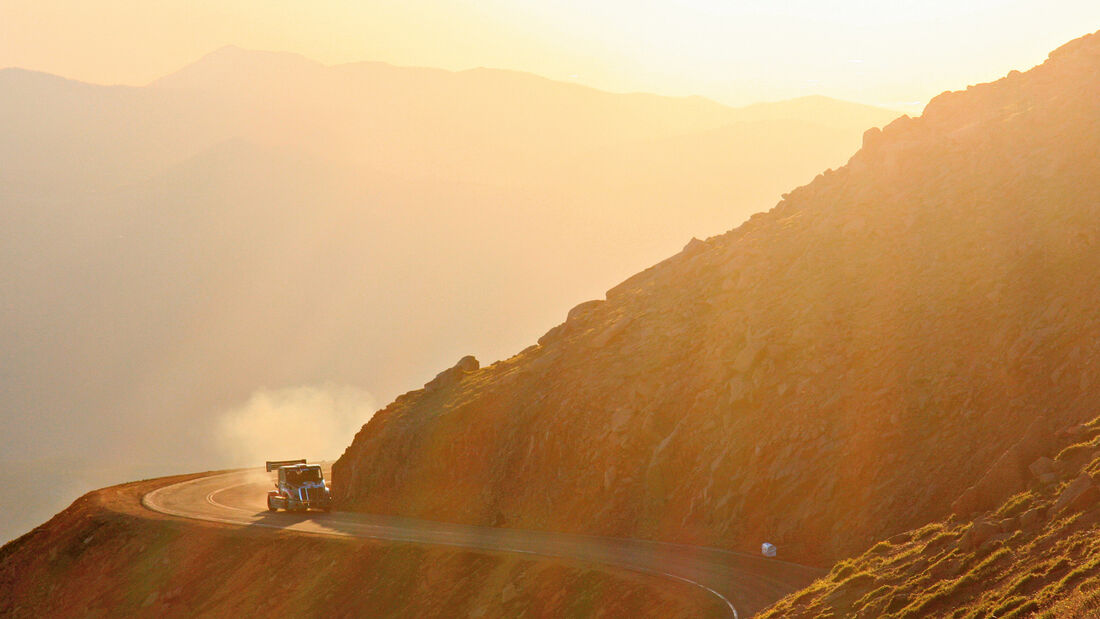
106	556
842	368
1035	554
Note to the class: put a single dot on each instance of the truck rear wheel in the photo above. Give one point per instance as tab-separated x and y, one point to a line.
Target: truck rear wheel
271	506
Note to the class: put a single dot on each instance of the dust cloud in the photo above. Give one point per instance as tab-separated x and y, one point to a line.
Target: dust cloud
312	422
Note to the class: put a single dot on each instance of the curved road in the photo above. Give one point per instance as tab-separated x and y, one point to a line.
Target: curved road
745	583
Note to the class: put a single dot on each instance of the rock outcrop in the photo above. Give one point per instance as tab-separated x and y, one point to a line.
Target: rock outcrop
465	366
834	371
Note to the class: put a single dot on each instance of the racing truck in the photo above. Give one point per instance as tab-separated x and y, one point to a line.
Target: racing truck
300	486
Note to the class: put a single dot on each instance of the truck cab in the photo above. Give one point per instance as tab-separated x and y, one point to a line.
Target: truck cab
298	487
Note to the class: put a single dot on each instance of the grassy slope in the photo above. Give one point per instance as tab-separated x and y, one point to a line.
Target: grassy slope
1029	557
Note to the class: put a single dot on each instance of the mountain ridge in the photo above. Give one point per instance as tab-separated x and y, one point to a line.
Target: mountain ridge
232	54
697	401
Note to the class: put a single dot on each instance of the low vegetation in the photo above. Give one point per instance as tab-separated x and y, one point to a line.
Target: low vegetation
1037	555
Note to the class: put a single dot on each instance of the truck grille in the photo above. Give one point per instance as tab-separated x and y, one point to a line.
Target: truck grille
315	494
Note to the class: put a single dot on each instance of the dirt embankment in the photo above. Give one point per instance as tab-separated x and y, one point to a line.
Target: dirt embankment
106	556
832	372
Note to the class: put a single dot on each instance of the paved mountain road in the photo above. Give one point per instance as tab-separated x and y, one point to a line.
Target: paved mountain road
745	583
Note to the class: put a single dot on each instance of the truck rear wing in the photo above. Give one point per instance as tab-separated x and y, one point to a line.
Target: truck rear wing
274	464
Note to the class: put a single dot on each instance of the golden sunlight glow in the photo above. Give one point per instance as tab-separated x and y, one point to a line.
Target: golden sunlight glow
623	308
895	54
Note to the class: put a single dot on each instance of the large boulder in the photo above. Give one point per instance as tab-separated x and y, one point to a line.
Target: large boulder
979	533
1080	494
1042	466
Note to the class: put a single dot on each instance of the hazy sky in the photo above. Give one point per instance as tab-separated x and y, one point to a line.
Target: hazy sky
886	52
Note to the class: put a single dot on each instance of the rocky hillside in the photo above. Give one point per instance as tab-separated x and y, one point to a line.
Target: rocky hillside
106	556
844	367
1036	554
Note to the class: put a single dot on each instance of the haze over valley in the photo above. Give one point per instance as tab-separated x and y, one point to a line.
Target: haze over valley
258	223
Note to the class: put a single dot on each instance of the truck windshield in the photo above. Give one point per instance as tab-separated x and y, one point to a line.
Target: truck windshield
301	476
